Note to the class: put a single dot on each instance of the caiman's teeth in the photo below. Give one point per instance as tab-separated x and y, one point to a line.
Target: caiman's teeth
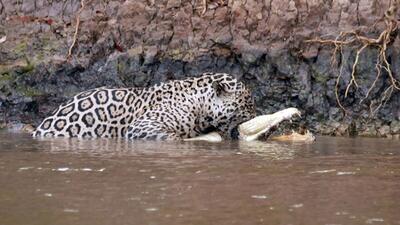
210	137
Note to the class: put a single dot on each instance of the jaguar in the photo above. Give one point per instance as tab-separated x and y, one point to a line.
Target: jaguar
173	110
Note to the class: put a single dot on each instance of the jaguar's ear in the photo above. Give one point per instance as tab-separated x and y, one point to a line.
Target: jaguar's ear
223	88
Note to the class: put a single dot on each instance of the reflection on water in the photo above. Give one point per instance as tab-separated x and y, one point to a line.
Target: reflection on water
112	147
106	181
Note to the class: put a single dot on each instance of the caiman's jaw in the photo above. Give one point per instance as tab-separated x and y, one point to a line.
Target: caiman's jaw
252	129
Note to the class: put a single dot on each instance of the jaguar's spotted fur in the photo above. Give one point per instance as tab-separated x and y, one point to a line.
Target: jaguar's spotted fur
168	111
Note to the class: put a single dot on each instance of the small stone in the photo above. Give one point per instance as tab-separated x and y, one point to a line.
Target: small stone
132	52
384	131
173	4
311	52
342	130
395	127
3	39
150	55
28	128
368	131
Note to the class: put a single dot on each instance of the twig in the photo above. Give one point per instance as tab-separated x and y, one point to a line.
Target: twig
205	6
378	68
353	78
386	96
338	80
78	20
329	41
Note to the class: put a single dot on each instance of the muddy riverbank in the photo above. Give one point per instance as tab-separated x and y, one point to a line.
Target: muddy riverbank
140	43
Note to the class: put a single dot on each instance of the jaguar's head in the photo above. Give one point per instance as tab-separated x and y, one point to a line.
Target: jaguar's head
231	104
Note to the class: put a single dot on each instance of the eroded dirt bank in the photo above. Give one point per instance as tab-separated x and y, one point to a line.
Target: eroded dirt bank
139	43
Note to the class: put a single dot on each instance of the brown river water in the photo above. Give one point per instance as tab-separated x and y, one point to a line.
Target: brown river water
109	181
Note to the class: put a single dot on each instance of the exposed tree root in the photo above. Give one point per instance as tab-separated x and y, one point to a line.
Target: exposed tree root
351	38
205	7
78	20
384	99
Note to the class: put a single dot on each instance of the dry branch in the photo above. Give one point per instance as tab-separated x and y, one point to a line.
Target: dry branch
205	7
78	20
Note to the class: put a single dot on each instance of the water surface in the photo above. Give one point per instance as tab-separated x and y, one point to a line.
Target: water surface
105	181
